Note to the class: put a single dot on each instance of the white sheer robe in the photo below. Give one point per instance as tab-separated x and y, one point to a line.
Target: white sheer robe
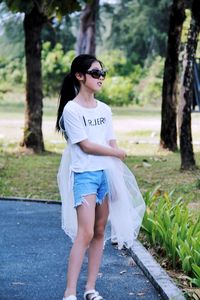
126	204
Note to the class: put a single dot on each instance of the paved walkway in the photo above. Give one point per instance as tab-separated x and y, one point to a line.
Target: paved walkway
34	251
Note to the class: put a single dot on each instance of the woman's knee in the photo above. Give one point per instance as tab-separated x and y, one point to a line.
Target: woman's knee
85	236
99	231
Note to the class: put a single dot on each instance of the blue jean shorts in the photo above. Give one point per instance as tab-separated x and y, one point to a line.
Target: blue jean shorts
87	183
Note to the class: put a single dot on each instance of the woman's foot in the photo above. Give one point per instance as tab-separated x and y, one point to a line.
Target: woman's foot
71	297
92	295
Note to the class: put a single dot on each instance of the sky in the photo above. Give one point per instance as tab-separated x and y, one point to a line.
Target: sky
108	1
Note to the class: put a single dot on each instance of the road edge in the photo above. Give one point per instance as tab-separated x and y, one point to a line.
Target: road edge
155	273
30	200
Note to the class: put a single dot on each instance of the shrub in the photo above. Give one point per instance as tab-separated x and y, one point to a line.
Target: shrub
116	63
117	91
122	77
55	65
149	89
12	71
170	225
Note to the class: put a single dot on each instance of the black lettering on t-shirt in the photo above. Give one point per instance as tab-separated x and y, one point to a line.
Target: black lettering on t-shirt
90	122
94	122
102	120
84	121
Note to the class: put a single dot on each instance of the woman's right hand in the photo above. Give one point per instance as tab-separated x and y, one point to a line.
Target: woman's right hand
121	154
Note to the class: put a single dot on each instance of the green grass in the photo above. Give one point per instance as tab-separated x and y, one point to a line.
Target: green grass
28	175
165	172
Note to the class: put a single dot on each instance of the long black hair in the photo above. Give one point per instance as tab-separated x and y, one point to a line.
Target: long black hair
70	86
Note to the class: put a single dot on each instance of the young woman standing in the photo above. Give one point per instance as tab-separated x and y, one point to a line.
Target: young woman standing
87	125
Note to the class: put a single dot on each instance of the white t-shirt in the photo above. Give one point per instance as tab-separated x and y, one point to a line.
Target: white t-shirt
94	124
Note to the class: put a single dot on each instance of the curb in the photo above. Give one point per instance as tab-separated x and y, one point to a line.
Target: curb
31	200
155	273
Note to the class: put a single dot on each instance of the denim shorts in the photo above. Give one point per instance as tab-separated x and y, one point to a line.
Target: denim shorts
87	183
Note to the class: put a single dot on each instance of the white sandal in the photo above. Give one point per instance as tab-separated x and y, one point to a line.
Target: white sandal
92	295
71	297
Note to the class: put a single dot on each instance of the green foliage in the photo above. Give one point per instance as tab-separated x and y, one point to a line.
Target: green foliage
12	33
186	26
124	83
119	86
128	83
47	7
170	225
196	270
149	88
139	29
55	65
116	62
59	32
12	72
117	90
12	36
185	31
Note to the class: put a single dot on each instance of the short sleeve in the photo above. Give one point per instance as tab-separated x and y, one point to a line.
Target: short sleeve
110	132
74	125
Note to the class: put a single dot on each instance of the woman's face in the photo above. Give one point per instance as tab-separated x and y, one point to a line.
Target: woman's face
94	79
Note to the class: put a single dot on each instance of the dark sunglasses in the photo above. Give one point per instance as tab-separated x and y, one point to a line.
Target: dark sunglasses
96	73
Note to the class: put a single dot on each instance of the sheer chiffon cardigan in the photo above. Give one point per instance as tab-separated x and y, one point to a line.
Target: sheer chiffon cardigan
126	204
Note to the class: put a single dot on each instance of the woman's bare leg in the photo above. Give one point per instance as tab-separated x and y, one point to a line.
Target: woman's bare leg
96	246
86	219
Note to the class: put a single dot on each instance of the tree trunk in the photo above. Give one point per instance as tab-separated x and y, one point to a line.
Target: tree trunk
86	42
168	137
33	138
186	147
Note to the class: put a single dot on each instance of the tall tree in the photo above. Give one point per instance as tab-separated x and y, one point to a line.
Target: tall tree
86	41
168	136
33	23
186	147
36	15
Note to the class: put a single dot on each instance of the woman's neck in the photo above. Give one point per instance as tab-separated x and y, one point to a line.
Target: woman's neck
86	99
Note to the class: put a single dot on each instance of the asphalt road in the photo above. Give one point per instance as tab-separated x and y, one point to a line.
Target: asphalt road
33	258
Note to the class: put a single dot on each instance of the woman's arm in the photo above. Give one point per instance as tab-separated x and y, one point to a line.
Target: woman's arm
113	144
96	149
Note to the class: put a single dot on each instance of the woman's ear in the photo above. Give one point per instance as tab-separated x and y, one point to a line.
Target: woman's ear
79	76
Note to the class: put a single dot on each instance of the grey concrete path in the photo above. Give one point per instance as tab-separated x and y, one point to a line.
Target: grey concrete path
34	251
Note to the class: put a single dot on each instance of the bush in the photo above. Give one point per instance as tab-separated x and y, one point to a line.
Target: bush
170	225
122	77
12	72
55	65
117	91
149	89
116	63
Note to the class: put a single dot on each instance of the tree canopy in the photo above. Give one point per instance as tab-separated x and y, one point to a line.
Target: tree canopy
46	7
140	28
